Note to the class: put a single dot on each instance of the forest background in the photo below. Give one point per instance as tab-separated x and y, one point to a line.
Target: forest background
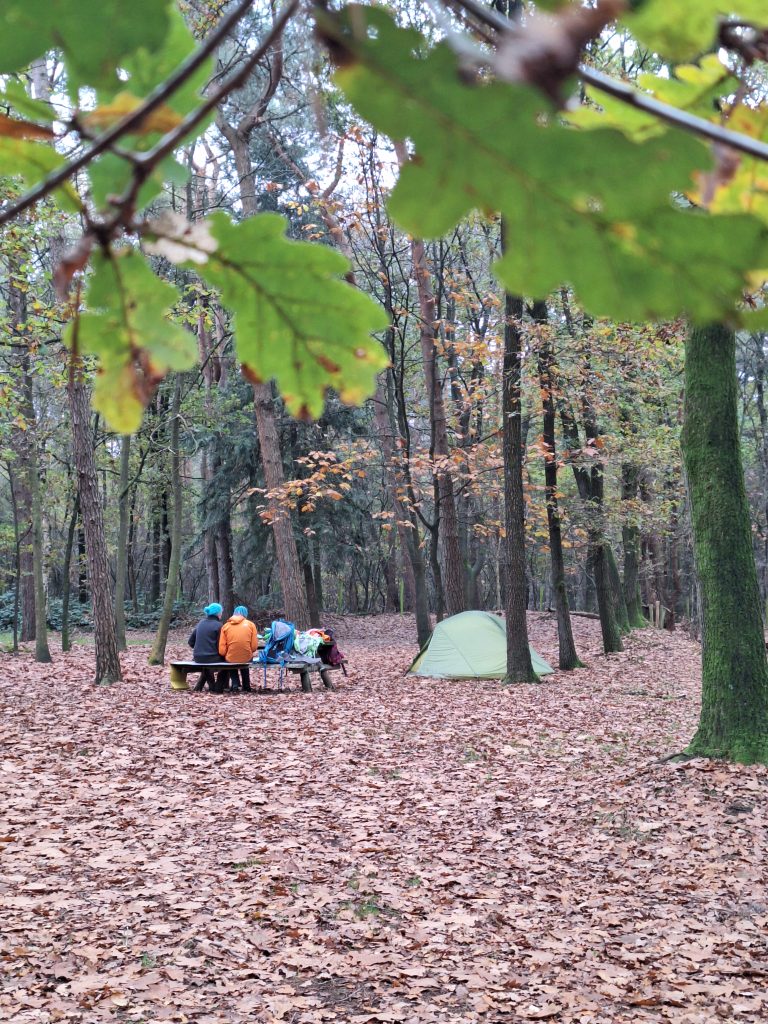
231	489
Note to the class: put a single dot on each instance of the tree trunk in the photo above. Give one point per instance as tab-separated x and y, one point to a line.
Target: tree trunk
567	655
617	590
519	667
66	572
630	538
295	604
156	564
609	624
22	444
590	487
309	583
210	548
446	516
734	712
121	568
17	550
26	566
291	576
107	659
82	576
224	561
157	656
30	468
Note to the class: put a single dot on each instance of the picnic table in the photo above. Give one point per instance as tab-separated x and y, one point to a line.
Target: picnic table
301	666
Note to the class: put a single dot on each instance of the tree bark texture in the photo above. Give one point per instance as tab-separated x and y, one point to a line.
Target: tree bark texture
121	568
630	539
66	594
107	659
224	561
567	655
34	604
157	655
452	574
519	667
295	604
734	711
590	486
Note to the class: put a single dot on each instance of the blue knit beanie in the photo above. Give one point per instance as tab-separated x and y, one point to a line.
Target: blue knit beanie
241	610
213	609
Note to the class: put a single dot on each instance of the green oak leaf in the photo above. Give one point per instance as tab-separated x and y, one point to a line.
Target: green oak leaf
32	161
589	208
685	28
94	35
296	321
127	328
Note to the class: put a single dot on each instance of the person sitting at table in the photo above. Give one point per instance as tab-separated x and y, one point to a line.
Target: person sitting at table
204	641
238	641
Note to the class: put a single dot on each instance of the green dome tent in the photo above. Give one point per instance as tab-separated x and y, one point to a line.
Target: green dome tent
472	645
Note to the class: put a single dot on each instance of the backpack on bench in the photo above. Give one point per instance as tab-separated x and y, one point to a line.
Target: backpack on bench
330	654
278	648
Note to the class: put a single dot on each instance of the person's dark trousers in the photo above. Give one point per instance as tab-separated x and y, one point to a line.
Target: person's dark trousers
238	676
208	675
235	678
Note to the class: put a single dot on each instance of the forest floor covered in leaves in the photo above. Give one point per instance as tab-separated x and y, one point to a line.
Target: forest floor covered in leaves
398	850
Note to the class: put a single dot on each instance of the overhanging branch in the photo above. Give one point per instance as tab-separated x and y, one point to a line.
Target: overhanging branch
622	91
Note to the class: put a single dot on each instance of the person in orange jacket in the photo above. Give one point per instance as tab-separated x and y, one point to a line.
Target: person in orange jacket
238	641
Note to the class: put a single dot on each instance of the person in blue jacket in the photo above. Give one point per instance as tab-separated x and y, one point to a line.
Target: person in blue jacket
204	641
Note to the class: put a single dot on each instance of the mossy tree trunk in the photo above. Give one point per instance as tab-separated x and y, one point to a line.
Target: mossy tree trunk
734	711
617	591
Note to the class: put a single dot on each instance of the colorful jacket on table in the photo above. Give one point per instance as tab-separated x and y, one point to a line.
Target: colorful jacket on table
238	640
204	639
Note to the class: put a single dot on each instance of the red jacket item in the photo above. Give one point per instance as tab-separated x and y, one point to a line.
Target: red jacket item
238	639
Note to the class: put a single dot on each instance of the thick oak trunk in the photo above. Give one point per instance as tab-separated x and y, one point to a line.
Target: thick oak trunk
734	711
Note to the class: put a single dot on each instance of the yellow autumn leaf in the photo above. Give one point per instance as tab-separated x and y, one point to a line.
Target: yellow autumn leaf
163	119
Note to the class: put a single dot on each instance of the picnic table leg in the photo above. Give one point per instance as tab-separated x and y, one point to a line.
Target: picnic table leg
179	678
306	682
325	675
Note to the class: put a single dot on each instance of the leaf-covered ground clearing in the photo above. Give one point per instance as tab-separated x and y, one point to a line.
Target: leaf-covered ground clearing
399	850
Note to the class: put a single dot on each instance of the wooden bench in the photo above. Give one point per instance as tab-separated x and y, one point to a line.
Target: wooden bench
181	669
